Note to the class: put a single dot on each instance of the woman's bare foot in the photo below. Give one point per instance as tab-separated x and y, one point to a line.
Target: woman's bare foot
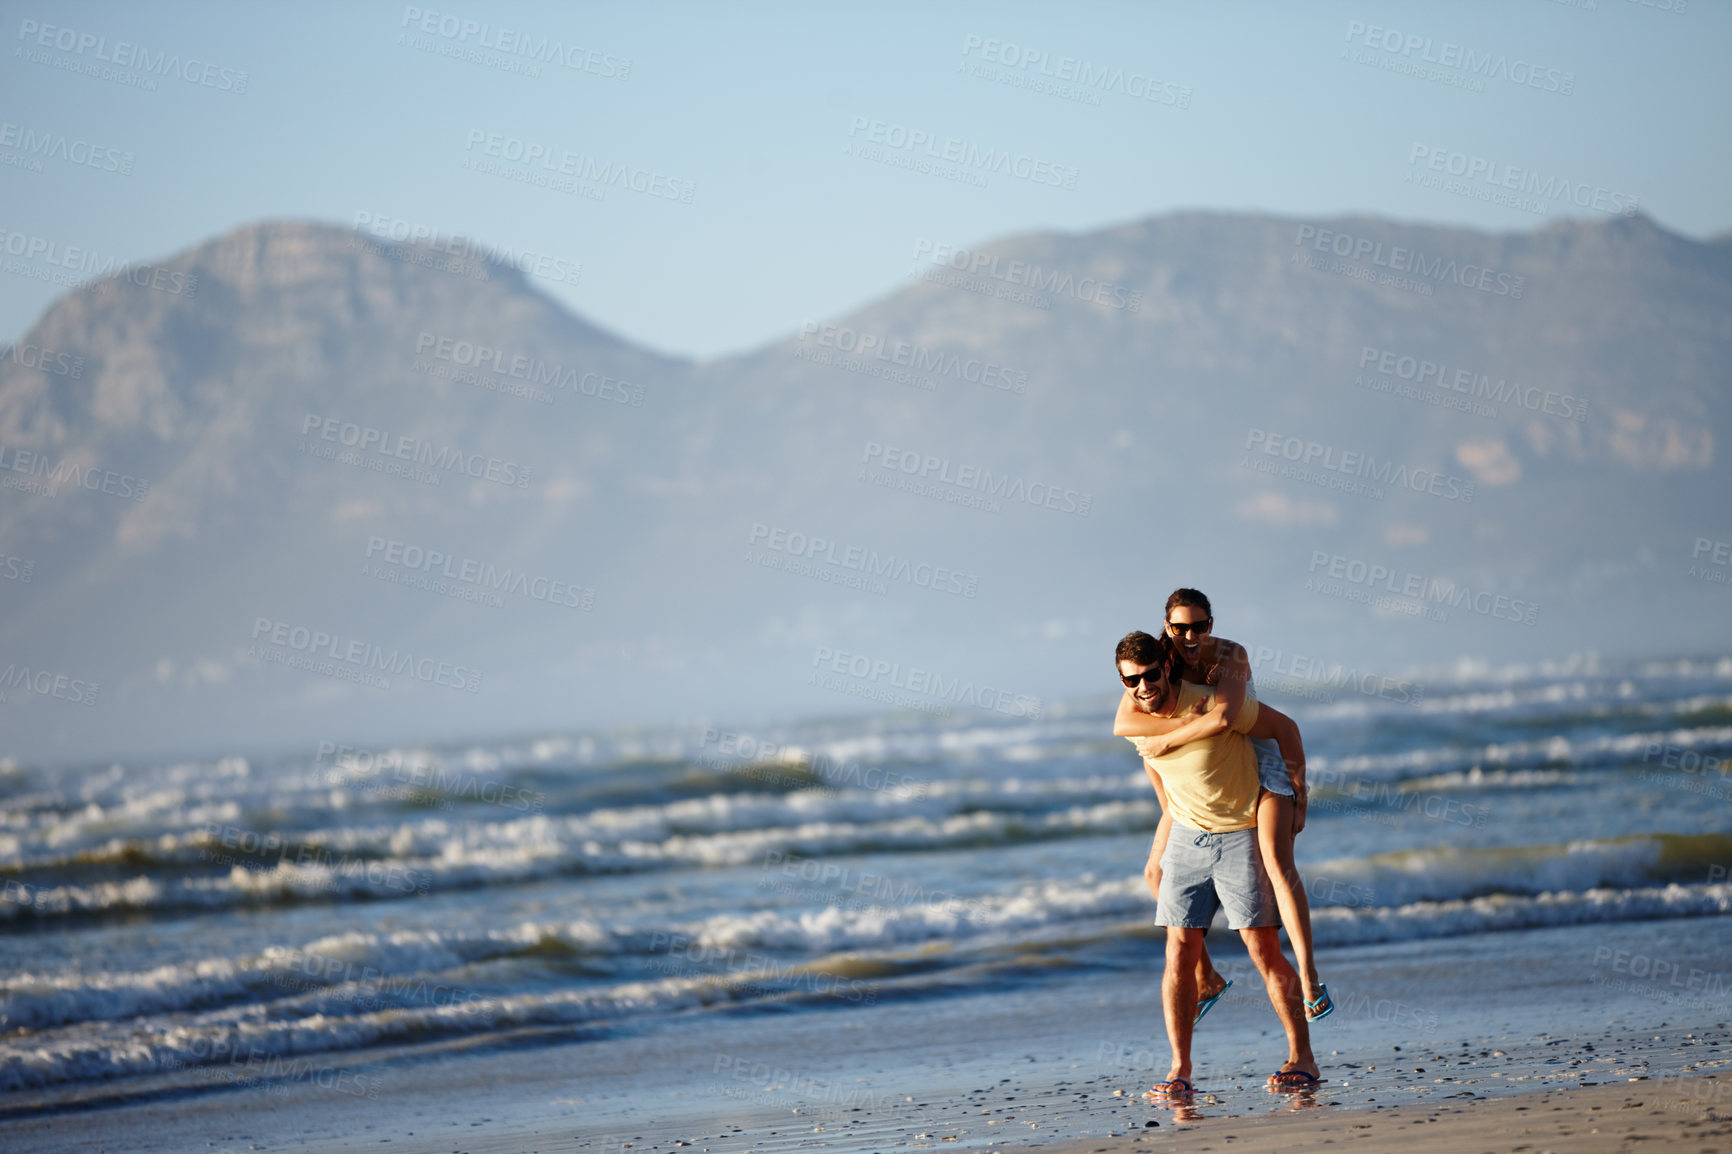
1318	1004
1209	987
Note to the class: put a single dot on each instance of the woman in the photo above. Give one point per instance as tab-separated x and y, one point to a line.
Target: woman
1222	664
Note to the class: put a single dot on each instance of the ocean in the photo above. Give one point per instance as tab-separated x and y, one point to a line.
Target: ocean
329	917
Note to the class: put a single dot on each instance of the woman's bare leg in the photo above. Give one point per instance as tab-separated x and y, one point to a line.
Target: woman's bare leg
1275	840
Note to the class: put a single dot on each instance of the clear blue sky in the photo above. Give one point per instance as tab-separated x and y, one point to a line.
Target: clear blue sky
361	108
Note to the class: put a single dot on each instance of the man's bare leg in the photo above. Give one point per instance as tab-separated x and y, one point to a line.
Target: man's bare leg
1275	842
1264	945
1179	995
1209	981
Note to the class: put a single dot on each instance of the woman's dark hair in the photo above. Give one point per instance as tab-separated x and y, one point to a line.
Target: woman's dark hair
1192	597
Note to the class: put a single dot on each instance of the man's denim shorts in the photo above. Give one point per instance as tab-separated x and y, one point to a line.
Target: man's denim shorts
1202	872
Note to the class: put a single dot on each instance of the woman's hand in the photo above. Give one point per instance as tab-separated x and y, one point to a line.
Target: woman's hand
1150	748
1211	708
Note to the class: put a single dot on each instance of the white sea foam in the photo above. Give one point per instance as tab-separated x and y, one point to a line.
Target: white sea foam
1492	913
202	834
402	861
1556	750
1446	873
39	1000
246	1038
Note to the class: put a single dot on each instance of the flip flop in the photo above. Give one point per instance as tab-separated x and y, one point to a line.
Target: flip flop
1208	1004
1294	1080
1177	1088
1312	1014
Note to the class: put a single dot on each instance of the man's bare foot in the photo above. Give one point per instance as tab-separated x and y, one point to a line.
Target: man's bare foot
1214	985
1177	1085
1294	1076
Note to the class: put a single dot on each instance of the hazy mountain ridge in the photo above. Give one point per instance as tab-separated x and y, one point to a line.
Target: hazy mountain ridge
652	504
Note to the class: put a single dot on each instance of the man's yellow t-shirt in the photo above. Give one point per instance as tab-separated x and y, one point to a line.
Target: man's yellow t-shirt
1212	784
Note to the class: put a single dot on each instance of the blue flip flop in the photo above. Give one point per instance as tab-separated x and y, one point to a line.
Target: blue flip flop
1177	1088
1312	1014
1208	1004
1295	1080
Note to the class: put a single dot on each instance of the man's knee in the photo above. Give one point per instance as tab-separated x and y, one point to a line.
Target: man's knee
1184	941
1263	943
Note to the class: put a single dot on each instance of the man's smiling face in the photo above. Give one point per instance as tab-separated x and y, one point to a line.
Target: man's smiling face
1147	683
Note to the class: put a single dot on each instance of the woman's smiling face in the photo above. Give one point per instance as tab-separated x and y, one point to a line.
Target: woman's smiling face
1189	640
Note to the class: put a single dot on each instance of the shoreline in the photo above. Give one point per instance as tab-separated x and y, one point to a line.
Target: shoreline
1479	1032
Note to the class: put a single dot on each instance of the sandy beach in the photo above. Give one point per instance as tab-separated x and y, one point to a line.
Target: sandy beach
1676	1114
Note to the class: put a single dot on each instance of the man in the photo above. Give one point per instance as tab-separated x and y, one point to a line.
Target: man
1212	859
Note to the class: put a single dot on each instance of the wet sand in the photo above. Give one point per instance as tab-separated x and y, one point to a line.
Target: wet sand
1691	1113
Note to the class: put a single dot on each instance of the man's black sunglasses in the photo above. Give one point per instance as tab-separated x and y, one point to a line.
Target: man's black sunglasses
1155	675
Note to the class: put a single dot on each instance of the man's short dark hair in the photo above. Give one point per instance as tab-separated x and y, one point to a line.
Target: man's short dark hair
1139	648
1191	597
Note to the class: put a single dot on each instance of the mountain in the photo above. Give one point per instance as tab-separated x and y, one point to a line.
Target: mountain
1378	444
